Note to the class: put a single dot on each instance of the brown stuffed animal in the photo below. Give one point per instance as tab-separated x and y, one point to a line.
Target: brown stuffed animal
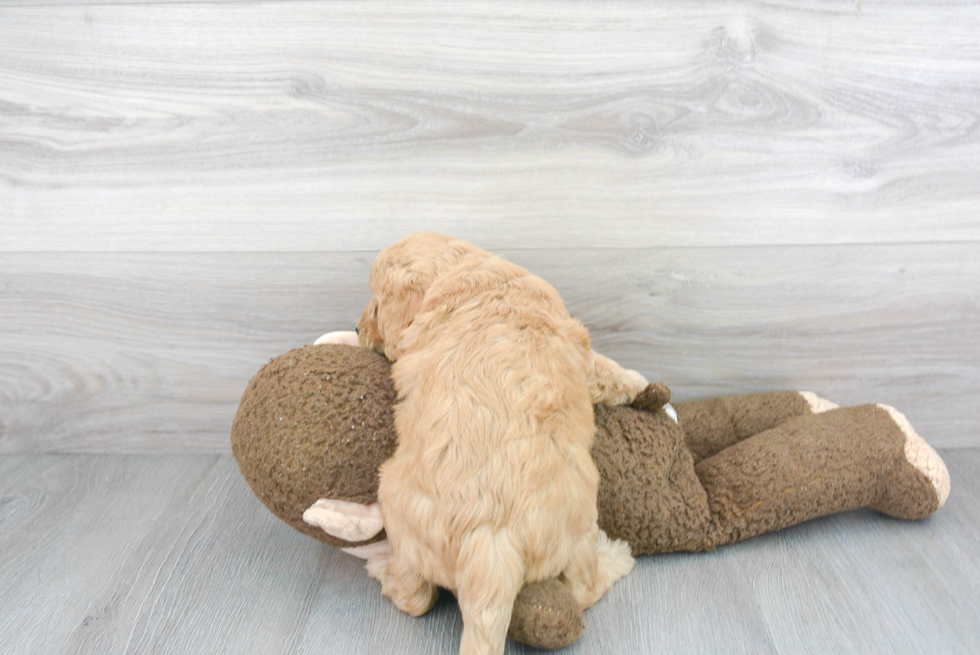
315	423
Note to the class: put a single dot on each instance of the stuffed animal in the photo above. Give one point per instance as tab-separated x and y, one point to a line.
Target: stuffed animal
315	423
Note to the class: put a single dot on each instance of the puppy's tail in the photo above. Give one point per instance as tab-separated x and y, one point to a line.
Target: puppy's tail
489	573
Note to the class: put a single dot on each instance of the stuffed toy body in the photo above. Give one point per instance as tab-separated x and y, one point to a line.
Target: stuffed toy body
314	425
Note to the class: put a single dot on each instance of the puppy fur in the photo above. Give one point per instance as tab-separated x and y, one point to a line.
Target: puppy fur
492	484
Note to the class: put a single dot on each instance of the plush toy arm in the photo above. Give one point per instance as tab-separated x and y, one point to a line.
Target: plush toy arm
611	384
651	399
655	397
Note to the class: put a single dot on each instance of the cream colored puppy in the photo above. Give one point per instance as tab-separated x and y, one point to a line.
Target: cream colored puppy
492	483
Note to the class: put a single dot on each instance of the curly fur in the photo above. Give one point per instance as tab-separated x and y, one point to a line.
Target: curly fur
492	484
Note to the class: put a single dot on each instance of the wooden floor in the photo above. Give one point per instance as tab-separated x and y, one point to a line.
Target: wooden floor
107	554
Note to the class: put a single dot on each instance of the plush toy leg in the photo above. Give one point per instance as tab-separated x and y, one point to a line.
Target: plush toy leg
710	426
819	464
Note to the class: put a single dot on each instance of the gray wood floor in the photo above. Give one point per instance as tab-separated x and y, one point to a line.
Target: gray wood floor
173	554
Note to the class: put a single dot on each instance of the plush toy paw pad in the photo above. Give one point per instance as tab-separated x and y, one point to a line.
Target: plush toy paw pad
816	403
921	455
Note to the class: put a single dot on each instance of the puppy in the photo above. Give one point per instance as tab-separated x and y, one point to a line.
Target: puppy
492	484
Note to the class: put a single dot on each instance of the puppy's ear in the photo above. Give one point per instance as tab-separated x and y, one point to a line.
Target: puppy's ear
399	303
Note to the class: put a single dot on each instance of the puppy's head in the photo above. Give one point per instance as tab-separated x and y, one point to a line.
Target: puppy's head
400	277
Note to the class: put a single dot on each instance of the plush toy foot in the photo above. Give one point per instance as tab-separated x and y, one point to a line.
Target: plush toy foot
546	615
904	495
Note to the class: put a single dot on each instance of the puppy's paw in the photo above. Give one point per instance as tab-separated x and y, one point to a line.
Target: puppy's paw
611	384
377	566
615	560
626	388
369	550
407	590
635	383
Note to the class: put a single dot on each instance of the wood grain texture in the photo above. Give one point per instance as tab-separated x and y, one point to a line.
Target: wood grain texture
173	554
307	126
733	197
151	352
144	352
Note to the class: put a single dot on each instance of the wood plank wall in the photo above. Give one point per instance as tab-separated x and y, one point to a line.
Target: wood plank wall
733	196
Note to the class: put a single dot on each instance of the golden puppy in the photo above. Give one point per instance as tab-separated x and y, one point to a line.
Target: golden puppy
492	483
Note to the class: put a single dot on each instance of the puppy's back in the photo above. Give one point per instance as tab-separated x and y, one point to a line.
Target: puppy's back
495	418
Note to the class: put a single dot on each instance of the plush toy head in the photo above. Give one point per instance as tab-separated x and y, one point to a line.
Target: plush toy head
315	423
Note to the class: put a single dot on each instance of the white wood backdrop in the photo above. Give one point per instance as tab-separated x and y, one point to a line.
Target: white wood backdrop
733	196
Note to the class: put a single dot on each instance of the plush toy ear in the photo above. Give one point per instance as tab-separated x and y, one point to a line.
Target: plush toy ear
343	337
345	520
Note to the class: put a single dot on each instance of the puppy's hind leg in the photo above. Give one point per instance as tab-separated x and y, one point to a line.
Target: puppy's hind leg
596	566
409	591
489	573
